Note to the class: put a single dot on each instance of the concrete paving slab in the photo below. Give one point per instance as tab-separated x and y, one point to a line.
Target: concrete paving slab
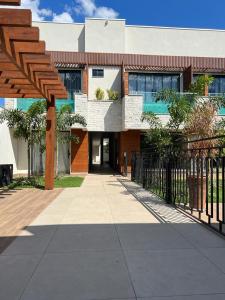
217	256
70	238
200	236
33	240
151	237
191	297
15	272
173	273
82	275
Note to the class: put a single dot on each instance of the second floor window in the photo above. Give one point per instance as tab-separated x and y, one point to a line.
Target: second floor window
218	85
72	81
153	83
98	73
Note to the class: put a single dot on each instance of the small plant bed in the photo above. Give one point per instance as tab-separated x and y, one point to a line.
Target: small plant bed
38	182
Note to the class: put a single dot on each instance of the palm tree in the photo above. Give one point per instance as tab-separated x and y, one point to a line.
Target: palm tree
31	126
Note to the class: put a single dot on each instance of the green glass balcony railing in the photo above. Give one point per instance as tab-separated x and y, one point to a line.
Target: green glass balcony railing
150	105
160	107
24	104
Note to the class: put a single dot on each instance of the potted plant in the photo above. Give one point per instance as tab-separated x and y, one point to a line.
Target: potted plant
100	94
113	95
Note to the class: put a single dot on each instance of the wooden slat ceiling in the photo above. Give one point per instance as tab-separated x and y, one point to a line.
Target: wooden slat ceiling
26	70
139	61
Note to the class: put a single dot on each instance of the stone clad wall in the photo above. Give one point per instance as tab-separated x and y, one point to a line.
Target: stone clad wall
105	116
100	115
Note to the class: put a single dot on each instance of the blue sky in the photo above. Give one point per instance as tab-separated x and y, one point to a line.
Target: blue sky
181	13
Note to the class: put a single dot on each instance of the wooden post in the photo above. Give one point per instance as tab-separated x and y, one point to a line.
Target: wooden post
206	87
50	145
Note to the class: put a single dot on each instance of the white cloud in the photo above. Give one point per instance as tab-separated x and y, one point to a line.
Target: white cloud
64	17
88	8
106	13
38	14
41	14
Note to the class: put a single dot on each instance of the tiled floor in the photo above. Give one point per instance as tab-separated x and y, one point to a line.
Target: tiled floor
98	242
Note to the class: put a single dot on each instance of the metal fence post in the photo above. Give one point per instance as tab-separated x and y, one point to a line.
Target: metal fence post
168	180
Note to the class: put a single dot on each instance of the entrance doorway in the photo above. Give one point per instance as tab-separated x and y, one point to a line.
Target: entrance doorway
103	151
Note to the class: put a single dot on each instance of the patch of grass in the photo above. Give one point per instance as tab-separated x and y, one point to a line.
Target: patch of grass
39	182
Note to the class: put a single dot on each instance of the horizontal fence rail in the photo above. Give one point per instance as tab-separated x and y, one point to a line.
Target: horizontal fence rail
190	176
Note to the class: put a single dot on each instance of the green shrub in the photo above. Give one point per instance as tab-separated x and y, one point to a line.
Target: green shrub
100	94
113	95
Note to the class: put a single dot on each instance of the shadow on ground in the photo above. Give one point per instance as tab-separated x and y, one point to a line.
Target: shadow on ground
113	261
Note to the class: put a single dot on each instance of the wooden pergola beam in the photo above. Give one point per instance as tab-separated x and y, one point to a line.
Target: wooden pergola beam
26	71
50	140
15	17
10	2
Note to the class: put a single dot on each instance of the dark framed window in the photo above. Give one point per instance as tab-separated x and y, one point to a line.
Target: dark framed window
98	73
151	83
72	81
218	85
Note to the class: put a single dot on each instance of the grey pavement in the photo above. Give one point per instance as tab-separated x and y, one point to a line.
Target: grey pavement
111	240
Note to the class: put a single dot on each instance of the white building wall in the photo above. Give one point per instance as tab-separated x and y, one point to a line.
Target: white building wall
174	41
62	37
105	35
111	80
114	36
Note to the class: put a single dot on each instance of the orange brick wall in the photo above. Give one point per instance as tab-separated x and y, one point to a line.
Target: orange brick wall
79	152
129	141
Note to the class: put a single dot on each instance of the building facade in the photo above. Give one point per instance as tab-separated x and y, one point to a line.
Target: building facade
134	61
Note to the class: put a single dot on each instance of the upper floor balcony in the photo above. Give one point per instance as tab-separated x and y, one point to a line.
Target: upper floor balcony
160	107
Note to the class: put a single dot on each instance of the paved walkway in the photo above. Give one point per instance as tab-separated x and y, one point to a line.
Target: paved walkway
98	242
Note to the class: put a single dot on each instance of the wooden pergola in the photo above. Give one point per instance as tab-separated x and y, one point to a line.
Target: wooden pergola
26	71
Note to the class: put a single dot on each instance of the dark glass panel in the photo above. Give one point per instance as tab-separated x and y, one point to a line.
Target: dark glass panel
72	81
132	83
141	83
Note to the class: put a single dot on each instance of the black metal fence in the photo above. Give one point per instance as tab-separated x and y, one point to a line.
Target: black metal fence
191	176
6	175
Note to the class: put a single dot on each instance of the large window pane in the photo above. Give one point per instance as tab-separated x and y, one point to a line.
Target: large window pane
132	83
157	83
72	81
141	84
149	83
218	85
167	82
175	83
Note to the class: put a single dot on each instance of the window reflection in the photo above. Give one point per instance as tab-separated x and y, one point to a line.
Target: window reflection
72	81
150	83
